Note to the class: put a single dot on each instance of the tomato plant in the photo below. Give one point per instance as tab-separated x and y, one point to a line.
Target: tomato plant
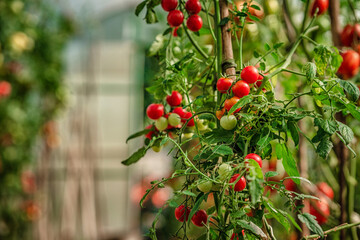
245	148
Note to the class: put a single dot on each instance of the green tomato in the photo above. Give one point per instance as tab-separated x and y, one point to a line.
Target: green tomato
224	171
201	125
205	186
156	148
161	123
174	119
228	122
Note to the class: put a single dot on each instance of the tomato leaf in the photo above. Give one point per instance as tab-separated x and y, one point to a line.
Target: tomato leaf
354	111
140	7
138	134
288	161
293	131
311	223
327	125
256	190
271	174
223	150
324	147
278	216
346	132
135	156
252	227
352	90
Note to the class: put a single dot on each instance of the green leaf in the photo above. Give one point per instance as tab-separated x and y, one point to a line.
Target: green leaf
324	147
242	102
224	21
135	156
275	56
189	193
288	162
256	190
292	220
151	16
278	45
310	71
278	216
223	150
354	111
293	131
346	132
140	7
138	134
271	174
311	223
267	47
262	66
255	7
352	90
264	140
327	125
252	227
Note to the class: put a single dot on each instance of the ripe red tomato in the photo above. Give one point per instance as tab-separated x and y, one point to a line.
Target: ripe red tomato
230	102
193	6
5	88
220	113
223	84
180	111
199	218
175	34
175	18
237	235
323	213
182	213
322	5
350	64
254	156
194	23
250	74
241	89
326	189
174	99
350	35
155	111
150	134
28	182
169	5
290	185
186	116
240	185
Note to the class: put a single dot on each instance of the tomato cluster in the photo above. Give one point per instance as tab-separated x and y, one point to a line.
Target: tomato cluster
199	219
321	5
320	208
249	76
176	17
167	122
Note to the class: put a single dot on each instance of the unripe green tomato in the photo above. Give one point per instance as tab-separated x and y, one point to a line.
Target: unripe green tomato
317	90
224	171
201	125
215	187
161	123
205	186
174	119
156	148
188	135
228	122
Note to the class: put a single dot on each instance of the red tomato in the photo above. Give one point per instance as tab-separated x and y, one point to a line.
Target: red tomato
193	6
223	84
188	115
350	64
254	156
199	218
290	185
169	5
150	134
240	185
259	82
155	111
32	210
230	102
241	89
194	23
182	213
250	74
237	236
326	189
175	18
160	196
180	111
174	99
323	213
220	113
175	34
322	5
5	88
350	35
